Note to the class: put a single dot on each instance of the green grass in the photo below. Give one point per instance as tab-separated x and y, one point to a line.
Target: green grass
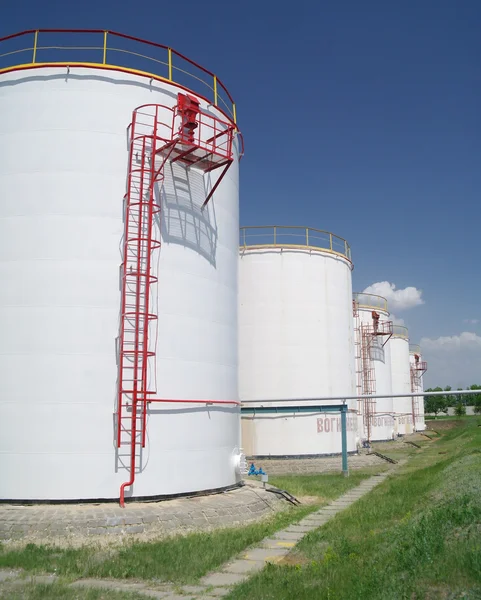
398	454
325	487
442	417
59	591
417	536
180	559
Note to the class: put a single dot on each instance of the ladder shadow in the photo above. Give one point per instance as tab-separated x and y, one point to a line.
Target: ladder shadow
377	351
183	221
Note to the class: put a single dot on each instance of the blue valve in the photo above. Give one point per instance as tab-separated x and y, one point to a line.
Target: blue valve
254	471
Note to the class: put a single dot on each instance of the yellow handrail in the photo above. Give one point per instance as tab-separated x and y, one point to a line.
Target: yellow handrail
105	48
370	301
170	63
283	236
47	55
399	331
35	41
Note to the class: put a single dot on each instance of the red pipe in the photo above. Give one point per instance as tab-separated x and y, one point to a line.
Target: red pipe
132	456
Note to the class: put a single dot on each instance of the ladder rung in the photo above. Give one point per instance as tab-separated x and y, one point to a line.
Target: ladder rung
137	281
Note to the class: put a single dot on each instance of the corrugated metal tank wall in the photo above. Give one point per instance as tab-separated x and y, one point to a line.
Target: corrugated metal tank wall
295	338
63	168
401	379
420	424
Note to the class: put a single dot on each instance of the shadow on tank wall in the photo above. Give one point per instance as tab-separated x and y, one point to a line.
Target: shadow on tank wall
377	351
184	190
182	219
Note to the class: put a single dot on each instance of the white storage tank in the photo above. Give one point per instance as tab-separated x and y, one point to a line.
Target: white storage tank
401	379
64	161
373	364
295	340
418	368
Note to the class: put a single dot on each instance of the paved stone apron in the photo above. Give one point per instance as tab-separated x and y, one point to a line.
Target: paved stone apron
307	466
77	523
219	584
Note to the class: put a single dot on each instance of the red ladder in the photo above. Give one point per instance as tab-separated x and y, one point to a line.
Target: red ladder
370	333
192	137
137	279
368	378
358	355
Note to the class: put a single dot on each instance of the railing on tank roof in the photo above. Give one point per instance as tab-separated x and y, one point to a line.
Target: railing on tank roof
110	49
400	331
370	301
414	349
283	236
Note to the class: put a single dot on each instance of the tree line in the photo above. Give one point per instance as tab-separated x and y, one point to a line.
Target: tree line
441	403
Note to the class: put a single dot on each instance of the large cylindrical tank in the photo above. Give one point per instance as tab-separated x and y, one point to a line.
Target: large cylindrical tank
295	340
401	379
63	169
417	385
377	368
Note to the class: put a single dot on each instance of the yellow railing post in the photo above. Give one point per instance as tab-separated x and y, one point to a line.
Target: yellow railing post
234	112
275	236
330	242
307	236
35	40
170	63
345	247
215	90
104	61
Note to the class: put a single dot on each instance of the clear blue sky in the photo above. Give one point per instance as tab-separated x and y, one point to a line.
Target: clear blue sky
362	118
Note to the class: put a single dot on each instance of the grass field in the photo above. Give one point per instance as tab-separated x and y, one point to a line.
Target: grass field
443	417
179	559
417	536
59	591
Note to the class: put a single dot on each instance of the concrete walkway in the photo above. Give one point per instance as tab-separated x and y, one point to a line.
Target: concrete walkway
218	584
275	548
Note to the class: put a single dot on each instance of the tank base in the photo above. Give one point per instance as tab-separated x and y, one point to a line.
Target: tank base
157	498
296	456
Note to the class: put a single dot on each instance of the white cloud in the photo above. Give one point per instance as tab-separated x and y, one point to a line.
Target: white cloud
397	320
402	299
452	360
471	321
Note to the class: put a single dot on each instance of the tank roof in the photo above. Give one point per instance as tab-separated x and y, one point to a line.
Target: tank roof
111	50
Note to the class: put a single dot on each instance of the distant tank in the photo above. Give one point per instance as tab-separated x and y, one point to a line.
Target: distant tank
401	379
418	368
373	365
295	340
